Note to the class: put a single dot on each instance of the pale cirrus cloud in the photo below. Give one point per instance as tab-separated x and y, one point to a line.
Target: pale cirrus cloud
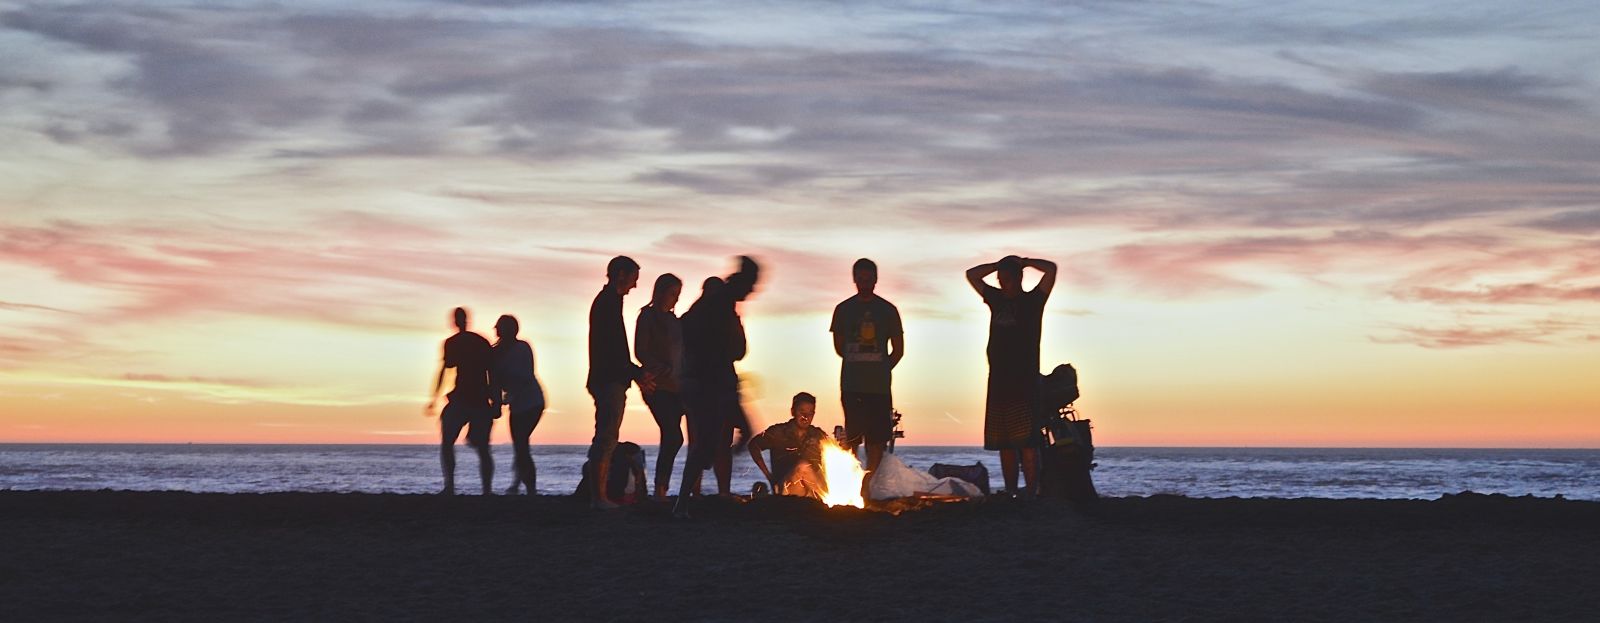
1545	331
1233	265
1521	293
357	269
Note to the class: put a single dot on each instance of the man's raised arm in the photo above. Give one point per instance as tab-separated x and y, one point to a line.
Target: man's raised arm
976	274
1048	282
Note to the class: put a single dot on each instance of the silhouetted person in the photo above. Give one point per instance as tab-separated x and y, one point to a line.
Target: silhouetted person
658	343
724	425
796	448
515	385
467	405
1015	319
867	336
611	370
713	340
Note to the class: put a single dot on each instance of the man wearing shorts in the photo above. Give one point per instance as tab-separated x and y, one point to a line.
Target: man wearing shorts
611	371
467	405
868	338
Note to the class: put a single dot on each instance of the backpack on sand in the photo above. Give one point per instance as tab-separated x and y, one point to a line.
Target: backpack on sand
1068	455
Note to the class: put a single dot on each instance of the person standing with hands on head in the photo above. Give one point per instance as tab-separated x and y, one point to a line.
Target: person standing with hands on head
1016	317
467	405
867	336
658	343
611	370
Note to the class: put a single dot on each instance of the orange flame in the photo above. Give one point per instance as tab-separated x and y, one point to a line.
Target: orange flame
842	474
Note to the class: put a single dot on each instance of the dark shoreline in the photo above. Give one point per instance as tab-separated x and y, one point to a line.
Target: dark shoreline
119	555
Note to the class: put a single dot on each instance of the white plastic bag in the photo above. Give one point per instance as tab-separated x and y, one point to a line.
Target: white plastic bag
894	479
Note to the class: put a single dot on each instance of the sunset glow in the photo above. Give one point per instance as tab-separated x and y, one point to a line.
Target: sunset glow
1277	225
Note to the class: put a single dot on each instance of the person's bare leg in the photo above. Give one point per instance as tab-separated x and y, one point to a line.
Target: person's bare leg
874	457
690	485
1030	470
447	461
449	431
671	442
521	461
1008	470
602	475
516	473
485	468
532	480
609	406
723	467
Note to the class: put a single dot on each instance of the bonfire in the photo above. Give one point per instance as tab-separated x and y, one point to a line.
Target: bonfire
842	476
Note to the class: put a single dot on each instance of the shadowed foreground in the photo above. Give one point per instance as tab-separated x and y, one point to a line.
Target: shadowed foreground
77	555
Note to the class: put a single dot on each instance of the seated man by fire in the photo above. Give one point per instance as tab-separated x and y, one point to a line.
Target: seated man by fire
796	448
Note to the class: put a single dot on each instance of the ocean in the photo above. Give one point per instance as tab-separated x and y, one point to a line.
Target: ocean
1194	472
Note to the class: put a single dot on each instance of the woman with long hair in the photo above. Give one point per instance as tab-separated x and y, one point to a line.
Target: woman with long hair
658	344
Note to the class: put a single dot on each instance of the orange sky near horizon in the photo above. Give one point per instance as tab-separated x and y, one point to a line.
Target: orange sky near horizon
1202	394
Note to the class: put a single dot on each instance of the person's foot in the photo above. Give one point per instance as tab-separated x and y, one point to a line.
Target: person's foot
447	491
681	509
603	504
512	490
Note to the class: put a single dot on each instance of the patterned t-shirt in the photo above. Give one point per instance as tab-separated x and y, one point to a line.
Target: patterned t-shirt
867	326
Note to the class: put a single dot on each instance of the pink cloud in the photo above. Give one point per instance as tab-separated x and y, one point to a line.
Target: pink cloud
201	380
1522	293
365	270
10	306
1435	268
1462	336
1201	268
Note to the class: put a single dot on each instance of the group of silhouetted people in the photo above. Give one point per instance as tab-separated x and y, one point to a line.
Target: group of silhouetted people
685	371
488	378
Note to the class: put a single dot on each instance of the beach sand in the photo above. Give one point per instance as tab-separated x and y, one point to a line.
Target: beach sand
165	556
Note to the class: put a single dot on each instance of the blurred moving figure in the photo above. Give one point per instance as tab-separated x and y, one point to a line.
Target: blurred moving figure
467	405
713	339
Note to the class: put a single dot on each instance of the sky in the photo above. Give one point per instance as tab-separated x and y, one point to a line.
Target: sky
1278	223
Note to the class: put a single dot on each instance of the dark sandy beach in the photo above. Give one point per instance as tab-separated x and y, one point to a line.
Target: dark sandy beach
164	556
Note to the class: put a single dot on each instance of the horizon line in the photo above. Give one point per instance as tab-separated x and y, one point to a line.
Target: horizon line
979	446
